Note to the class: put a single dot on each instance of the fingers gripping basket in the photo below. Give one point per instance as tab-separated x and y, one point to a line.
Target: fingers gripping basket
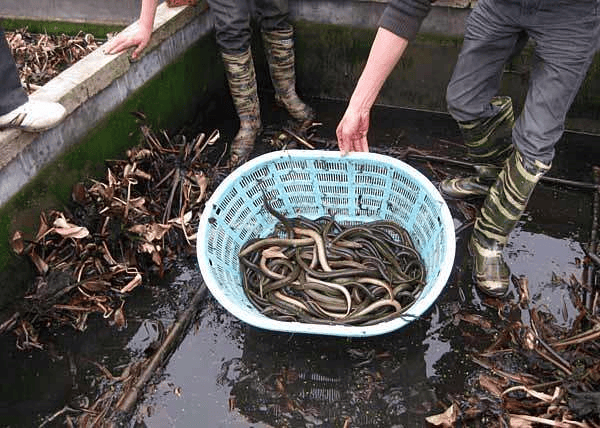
356	188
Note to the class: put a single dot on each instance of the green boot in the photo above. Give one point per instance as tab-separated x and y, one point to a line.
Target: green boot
241	78
279	49
471	186
499	214
489	143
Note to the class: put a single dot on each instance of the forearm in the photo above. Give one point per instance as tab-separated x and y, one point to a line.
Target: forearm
146	21
386	51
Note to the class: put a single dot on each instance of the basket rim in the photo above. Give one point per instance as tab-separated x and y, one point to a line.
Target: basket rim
261	321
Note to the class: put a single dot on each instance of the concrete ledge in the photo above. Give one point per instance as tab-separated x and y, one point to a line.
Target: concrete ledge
92	88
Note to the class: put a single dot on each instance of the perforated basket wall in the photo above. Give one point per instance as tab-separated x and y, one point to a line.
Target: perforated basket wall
358	187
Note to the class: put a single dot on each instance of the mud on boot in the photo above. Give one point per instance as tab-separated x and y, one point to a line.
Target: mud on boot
279	50
499	214
241	78
490	272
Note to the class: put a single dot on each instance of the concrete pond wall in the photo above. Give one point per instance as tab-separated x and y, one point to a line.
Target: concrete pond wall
180	74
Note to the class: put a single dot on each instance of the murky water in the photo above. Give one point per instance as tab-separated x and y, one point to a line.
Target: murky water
228	374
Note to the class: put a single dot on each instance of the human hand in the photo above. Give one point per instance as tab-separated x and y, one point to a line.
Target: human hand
124	41
352	131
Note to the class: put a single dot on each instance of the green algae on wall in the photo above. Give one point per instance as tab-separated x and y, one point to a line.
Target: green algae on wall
171	99
330	59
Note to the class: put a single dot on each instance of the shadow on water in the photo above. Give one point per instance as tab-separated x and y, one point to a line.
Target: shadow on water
228	374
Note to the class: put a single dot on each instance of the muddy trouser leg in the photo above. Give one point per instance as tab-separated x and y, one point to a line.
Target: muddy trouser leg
233	32
278	41
566	36
12	94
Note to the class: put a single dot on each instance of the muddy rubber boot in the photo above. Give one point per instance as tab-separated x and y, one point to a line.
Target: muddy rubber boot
279	49
499	214
471	186
489	143
241	78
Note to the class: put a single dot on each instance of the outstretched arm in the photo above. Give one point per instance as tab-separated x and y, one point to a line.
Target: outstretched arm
386	51
141	38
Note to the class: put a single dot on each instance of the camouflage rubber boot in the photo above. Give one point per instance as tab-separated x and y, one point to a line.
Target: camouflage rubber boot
471	186
279	49
499	214
488	141
241	78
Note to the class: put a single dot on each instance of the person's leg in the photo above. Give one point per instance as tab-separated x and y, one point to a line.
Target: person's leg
485	119
491	38
566	36
16	109
272	15
233	32
278	40
232	25
12	94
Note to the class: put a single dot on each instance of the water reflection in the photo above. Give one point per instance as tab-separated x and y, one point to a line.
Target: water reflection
299	380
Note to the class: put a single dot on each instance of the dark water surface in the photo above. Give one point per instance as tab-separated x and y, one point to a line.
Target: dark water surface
228	374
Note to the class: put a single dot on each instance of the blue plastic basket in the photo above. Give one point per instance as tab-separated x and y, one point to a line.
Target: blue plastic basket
358	187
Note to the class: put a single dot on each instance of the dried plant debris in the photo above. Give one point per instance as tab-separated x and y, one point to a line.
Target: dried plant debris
537	372
40	57
119	231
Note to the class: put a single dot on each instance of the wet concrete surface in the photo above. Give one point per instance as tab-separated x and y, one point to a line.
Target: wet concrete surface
228	374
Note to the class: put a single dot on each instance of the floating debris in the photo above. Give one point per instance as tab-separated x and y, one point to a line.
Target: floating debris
118	232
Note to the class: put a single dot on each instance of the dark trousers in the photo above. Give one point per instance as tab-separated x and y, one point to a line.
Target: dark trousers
12	94
233	17
566	34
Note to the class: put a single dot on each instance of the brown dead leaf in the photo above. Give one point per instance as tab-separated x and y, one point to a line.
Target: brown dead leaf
147	247
40	264
493	385
157	258
119	317
79	193
17	243
69	230
445	420
202	182
474	319
526	421
94	285
182	220
112	180
150	232
43	227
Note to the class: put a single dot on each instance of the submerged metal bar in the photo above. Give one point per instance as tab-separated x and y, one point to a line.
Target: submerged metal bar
465	164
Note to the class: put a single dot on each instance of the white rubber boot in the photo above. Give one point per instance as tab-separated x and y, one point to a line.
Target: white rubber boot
34	116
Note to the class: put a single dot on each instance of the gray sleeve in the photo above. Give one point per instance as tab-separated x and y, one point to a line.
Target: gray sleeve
404	17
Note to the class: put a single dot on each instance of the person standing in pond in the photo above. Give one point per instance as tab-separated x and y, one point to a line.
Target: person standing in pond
233	34
17	110
566	34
